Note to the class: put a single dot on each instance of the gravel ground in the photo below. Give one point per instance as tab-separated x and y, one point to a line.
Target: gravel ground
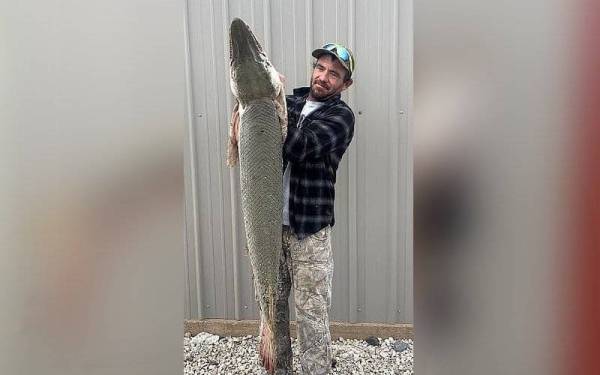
210	354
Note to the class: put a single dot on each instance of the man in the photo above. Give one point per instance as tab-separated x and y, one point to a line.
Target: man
320	129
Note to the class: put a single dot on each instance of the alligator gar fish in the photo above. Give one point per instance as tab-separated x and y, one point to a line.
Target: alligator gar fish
261	116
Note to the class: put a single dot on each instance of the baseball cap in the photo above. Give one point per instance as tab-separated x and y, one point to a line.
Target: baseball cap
343	54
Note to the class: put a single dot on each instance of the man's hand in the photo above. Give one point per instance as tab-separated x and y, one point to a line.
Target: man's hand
235	127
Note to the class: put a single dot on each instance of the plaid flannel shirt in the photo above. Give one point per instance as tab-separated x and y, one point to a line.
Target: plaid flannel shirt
314	150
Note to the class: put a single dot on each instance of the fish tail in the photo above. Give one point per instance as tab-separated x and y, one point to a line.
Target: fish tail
267	349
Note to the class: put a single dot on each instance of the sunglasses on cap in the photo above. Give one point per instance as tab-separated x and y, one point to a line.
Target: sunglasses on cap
342	53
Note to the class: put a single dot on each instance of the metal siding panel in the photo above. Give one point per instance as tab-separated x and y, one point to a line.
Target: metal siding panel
277	36
352	293
317	19
309	34
404	302
329	25
362	47
373	232
406	86
220	131
378	285
203	262
191	202
375	163
214	195
230	227
297	34
396	202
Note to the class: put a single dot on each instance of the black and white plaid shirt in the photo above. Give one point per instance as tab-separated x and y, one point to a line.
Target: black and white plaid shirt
314	150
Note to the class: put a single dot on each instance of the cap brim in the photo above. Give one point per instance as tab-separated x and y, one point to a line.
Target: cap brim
321	51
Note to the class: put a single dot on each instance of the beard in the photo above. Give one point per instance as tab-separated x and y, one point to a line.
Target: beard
321	91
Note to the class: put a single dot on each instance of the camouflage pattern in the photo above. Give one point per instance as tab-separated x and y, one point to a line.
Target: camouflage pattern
308	265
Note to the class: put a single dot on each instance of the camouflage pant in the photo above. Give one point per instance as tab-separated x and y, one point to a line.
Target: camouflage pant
308	265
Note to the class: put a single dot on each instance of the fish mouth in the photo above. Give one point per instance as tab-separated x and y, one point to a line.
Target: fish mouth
243	45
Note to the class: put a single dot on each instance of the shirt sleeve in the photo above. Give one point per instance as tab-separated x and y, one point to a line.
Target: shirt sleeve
319	137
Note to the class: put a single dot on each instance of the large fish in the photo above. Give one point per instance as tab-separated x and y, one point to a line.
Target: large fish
261	116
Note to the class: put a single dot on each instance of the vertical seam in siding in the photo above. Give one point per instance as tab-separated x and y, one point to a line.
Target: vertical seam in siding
295	46
282	33
394	230
187	310
200	259
408	254
221	198
267	25
309	31
352	230
380	114
323	12
218	115
337	21
210	177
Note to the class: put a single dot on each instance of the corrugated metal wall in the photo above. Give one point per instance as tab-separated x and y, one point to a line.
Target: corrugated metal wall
372	237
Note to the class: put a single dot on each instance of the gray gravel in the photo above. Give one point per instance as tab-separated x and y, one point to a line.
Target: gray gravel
210	354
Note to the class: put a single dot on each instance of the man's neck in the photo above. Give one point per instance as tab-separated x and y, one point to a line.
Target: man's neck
313	99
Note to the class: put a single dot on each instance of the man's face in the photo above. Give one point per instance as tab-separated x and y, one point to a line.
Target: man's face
328	78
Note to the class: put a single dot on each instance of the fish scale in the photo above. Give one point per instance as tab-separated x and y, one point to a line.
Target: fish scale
260	152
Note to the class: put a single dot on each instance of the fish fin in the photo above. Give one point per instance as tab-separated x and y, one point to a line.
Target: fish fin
232	144
281	107
267	349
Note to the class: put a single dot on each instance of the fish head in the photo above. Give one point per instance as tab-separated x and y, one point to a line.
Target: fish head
252	74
